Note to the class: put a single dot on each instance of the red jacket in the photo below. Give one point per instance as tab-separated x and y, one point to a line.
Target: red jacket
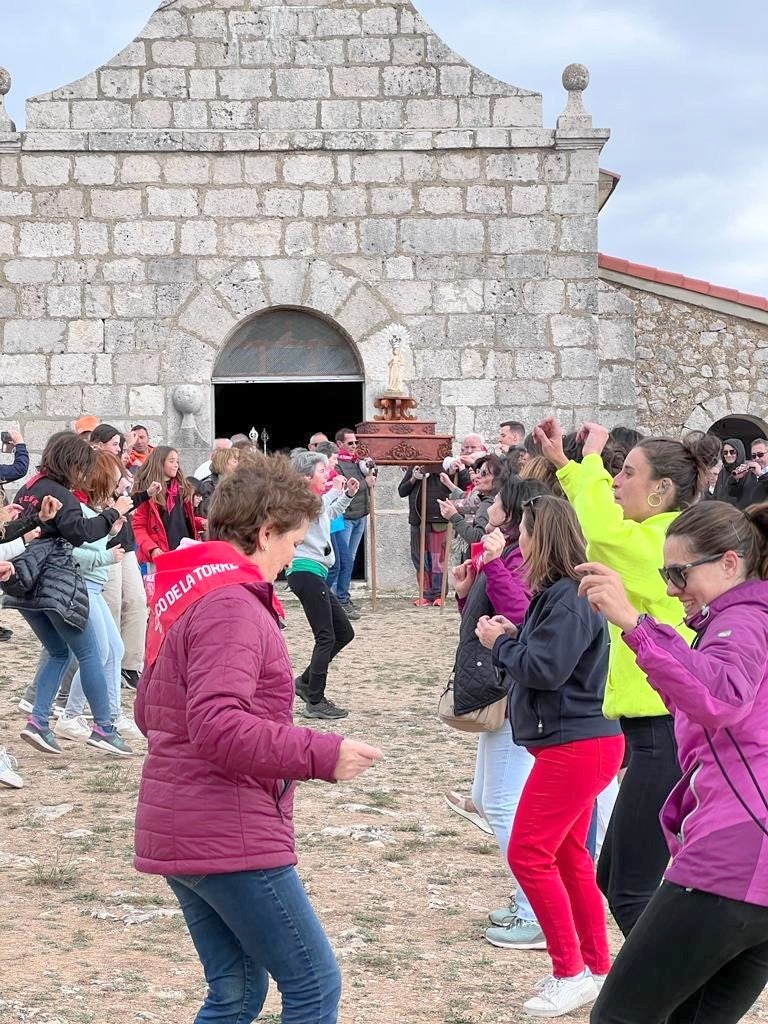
217	787
149	531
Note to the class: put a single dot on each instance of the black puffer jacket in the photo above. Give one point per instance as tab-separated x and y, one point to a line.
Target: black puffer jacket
476	681
47	579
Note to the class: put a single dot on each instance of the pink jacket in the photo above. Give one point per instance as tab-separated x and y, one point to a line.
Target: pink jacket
714	819
217	786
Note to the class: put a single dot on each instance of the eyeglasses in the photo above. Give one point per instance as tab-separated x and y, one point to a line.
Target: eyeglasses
677	575
351	444
729	451
759	455
485	472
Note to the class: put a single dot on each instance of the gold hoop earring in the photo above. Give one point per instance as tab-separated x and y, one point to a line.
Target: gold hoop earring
657	502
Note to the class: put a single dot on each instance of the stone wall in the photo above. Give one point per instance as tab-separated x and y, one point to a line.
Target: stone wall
694	365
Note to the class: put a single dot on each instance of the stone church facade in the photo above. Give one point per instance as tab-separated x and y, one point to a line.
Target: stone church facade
331	156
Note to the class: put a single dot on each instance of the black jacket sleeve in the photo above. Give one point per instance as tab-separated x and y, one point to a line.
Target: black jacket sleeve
18	468
19	527
407	484
75	528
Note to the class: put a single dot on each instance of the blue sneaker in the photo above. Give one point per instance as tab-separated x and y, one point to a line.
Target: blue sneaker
40	737
109	742
517	934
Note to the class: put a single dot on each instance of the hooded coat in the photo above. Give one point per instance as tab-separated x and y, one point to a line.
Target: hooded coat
715	819
727	488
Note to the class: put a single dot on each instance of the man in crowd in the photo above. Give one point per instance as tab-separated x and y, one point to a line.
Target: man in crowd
356	515
472	447
204	470
8	473
511	434
141	449
315	440
754	474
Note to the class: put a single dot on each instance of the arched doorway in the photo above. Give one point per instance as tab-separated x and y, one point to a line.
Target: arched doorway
290	371
745	428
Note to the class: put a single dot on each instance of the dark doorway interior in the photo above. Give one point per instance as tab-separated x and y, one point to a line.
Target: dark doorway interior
745	428
291	412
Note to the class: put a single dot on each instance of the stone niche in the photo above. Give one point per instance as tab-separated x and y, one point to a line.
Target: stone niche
332	155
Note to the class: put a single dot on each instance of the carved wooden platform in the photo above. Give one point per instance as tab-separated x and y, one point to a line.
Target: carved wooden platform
403	442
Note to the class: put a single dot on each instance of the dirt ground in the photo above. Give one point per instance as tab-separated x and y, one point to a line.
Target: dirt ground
402	885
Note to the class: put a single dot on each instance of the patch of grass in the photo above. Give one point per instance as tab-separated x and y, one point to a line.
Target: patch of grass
86	896
395	856
55	874
81	939
408	826
380	798
109	780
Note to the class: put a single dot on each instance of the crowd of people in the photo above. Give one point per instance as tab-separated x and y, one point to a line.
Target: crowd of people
612	591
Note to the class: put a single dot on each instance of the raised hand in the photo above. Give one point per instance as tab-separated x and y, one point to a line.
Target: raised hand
493	545
549	435
594	437
354	759
49	508
604	589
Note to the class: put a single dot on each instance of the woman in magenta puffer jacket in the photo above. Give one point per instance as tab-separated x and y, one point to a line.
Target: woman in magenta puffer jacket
215	811
699	952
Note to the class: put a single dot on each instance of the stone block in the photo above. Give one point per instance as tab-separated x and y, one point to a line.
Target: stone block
227	170
340	114
409	81
468	392
459	297
64	300
486	199
146	400
97	300
71	368
535	364
575	392
187	170
368	51
145	238
579	362
328	288
303	83
584	165
408	298
152	114
184	358
338	23
443	235
300	239
139	169
319	52
46	170
382	114
578	234
260	169
617	386
441	199
378	237
244	238
199	238
202	84
62	203
232	202
513	167
349	202
378	167
442	113
308	170
172	202
475	112
245	84
45	115
208	25
527	199
455	80
15	204
521	235
94	114
46	239
408	50
8	301
20	400
105	400
467	330
339	238
166	25
134	300
85	336
119	83
356	81
29	271
165	83
517	111
91	169
234	114
546	296
114	204
573	198
391	200
127	271
617	339
315	203
362	313
189	114
281	202
22	336
459	167
288	114
175	54
573	331
574	266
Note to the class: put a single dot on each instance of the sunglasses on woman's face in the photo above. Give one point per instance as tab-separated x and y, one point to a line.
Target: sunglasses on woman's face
677	575
485	472
729	451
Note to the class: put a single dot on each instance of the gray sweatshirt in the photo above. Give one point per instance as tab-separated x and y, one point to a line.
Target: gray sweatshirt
316	546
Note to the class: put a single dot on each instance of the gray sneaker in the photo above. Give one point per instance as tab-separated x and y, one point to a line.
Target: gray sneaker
302	690
517	934
504	915
352	612
324	709
109	742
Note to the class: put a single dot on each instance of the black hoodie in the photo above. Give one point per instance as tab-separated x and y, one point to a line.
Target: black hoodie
558	666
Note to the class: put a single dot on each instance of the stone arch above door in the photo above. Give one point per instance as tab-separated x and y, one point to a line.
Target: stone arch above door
729	403
215	310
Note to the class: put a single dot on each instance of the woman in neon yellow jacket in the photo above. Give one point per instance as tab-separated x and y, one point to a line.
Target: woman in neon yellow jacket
625	522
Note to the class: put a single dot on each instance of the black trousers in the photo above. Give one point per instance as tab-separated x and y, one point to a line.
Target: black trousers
330	627
635	855
692	958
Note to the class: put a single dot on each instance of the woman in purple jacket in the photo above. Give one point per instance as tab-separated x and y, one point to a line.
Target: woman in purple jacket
494	586
699	952
215	810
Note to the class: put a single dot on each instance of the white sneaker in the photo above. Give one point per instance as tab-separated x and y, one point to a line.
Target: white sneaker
128	728
25	706
559	996
75	729
599	979
8	775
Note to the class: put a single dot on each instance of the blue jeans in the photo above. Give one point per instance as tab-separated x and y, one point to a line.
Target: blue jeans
111	650
333	572
248	926
61	641
349	542
501	771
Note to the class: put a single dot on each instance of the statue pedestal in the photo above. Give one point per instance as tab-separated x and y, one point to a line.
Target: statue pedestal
397	438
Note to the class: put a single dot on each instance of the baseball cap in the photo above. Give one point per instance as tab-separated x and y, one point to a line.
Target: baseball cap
86	423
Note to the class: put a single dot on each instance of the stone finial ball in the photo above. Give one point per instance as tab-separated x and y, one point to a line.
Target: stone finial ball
187	399
5	82
576	78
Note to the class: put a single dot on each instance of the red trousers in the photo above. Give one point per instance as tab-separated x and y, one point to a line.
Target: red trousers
548	854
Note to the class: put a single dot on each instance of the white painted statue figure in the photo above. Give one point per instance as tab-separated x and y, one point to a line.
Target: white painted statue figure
395	384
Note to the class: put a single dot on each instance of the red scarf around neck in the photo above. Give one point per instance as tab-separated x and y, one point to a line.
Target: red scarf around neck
183	576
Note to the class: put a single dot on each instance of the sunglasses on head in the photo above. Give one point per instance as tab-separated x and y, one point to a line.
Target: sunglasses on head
677	575
529	505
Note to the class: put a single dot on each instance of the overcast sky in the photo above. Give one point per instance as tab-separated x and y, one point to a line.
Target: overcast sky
682	84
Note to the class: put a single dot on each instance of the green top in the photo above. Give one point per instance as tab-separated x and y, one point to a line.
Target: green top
308	565
635	551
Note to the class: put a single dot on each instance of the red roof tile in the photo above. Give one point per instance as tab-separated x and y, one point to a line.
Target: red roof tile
690	284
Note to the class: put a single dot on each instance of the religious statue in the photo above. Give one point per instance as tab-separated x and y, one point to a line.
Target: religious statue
396	335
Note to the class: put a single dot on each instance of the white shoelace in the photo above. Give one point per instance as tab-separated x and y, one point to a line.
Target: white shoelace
8	760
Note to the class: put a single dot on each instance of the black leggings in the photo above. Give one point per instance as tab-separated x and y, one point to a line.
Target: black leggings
693	958
635	855
329	624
